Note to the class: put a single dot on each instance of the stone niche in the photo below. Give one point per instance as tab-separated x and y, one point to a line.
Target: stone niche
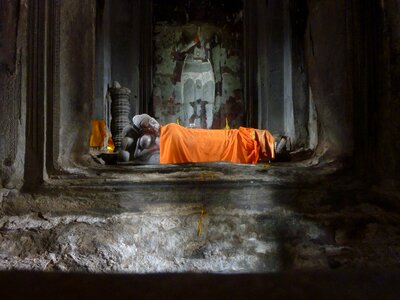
212	31
292	65
256	55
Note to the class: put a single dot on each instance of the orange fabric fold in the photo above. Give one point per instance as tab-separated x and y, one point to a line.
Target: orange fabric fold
267	144
99	135
184	145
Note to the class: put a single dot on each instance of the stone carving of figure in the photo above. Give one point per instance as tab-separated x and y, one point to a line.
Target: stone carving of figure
198	84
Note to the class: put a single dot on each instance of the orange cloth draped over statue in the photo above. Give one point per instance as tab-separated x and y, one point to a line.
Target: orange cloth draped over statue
184	145
99	134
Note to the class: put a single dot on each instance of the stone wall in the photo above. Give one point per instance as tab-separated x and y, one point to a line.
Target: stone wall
327	57
352	51
388	126
13	29
77	77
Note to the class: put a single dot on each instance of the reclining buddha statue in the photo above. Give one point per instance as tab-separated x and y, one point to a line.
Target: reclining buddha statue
141	142
145	141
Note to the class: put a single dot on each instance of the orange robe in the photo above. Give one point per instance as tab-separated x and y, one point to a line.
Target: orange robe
185	145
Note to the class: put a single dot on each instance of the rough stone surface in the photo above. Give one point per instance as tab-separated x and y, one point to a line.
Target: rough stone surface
275	220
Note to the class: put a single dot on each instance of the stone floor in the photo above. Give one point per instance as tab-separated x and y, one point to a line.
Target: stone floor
220	218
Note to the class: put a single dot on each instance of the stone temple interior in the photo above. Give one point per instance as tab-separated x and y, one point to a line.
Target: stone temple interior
320	221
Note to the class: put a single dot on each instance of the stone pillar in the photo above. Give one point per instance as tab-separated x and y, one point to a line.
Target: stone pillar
77	77
13	43
288	116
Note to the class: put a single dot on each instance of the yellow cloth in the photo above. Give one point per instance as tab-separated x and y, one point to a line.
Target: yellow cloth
244	145
99	134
